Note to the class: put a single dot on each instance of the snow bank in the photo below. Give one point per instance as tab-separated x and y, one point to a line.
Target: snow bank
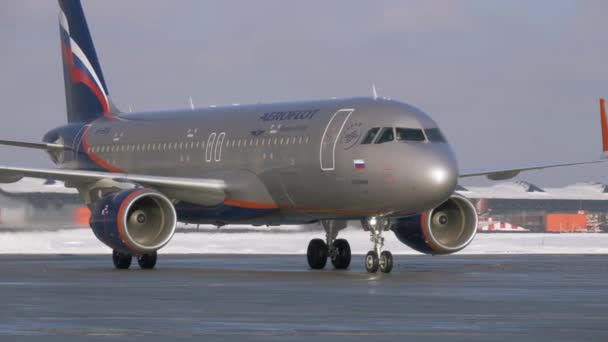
295	241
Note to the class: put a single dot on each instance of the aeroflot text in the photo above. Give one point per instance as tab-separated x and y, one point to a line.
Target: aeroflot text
291	115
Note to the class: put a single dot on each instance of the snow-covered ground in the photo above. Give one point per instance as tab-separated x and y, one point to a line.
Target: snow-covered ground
294	241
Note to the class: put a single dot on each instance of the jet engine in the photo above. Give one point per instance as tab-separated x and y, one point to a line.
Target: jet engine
134	221
444	230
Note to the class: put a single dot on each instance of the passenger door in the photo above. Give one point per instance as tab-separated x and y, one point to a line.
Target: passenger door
327	155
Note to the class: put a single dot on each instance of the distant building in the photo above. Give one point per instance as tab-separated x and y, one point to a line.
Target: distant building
578	207
39	203
516	206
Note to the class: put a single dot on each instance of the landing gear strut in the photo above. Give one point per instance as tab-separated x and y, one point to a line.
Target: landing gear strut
376	258
338	250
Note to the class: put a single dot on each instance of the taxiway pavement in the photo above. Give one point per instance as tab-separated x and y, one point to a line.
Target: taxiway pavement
275	298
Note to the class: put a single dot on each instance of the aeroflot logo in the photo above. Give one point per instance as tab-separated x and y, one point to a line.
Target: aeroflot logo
291	115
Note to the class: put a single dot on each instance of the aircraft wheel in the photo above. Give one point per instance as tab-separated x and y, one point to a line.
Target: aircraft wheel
122	261
341	256
371	262
386	262
147	261
317	254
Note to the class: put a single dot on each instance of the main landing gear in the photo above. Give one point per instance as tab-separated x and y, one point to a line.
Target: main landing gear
122	261
338	250
376	259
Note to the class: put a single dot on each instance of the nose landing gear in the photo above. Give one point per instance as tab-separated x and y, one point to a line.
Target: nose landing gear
338	250
377	259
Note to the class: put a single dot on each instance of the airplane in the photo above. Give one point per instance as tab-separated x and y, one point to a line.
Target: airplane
380	161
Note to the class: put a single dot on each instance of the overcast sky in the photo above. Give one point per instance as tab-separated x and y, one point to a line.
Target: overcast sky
510	82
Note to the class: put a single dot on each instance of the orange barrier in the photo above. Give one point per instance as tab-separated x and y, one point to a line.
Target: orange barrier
564	223
81	217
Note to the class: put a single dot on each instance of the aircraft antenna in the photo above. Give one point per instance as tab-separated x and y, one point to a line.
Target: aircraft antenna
374	91
191	103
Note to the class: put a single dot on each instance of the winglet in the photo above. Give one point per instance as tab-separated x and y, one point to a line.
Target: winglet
604	122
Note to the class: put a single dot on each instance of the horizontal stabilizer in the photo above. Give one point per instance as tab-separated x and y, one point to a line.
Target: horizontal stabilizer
38	146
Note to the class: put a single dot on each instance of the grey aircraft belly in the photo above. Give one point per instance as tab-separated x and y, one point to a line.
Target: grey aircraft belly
379	161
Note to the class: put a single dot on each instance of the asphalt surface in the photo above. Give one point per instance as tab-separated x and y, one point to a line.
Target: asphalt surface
276	298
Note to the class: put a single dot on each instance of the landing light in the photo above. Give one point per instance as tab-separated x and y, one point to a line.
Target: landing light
372	221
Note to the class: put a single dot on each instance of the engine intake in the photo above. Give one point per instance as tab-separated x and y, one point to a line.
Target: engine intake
134	221
444	230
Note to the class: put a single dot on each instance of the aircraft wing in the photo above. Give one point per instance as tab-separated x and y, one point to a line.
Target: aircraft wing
508	173
208	191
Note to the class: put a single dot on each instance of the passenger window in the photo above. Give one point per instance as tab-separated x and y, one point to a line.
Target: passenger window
386	135
434	135
369	137
410	134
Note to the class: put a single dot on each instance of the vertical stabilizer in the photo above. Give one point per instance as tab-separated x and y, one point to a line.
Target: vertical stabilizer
86	93
604	123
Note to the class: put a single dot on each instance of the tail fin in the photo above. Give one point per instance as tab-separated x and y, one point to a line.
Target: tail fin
604	123
86	93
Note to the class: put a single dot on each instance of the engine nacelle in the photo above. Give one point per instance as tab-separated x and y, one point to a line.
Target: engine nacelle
135	221
444	230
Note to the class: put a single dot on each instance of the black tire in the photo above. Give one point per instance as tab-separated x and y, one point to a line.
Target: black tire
317	254
122	261
341	259
386	262
371	262
147	261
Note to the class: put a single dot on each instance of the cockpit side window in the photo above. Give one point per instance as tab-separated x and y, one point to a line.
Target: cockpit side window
370	136
434	135
386	135
410	134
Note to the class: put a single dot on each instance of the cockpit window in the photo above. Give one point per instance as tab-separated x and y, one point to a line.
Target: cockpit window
370	136
434	135
386	135
410	134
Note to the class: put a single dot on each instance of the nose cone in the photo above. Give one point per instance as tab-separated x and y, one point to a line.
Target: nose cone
431	177
442	174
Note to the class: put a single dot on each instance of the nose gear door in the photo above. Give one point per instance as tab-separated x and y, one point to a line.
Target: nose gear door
327	155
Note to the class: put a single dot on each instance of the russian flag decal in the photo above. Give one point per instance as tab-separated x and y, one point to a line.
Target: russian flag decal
359	164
